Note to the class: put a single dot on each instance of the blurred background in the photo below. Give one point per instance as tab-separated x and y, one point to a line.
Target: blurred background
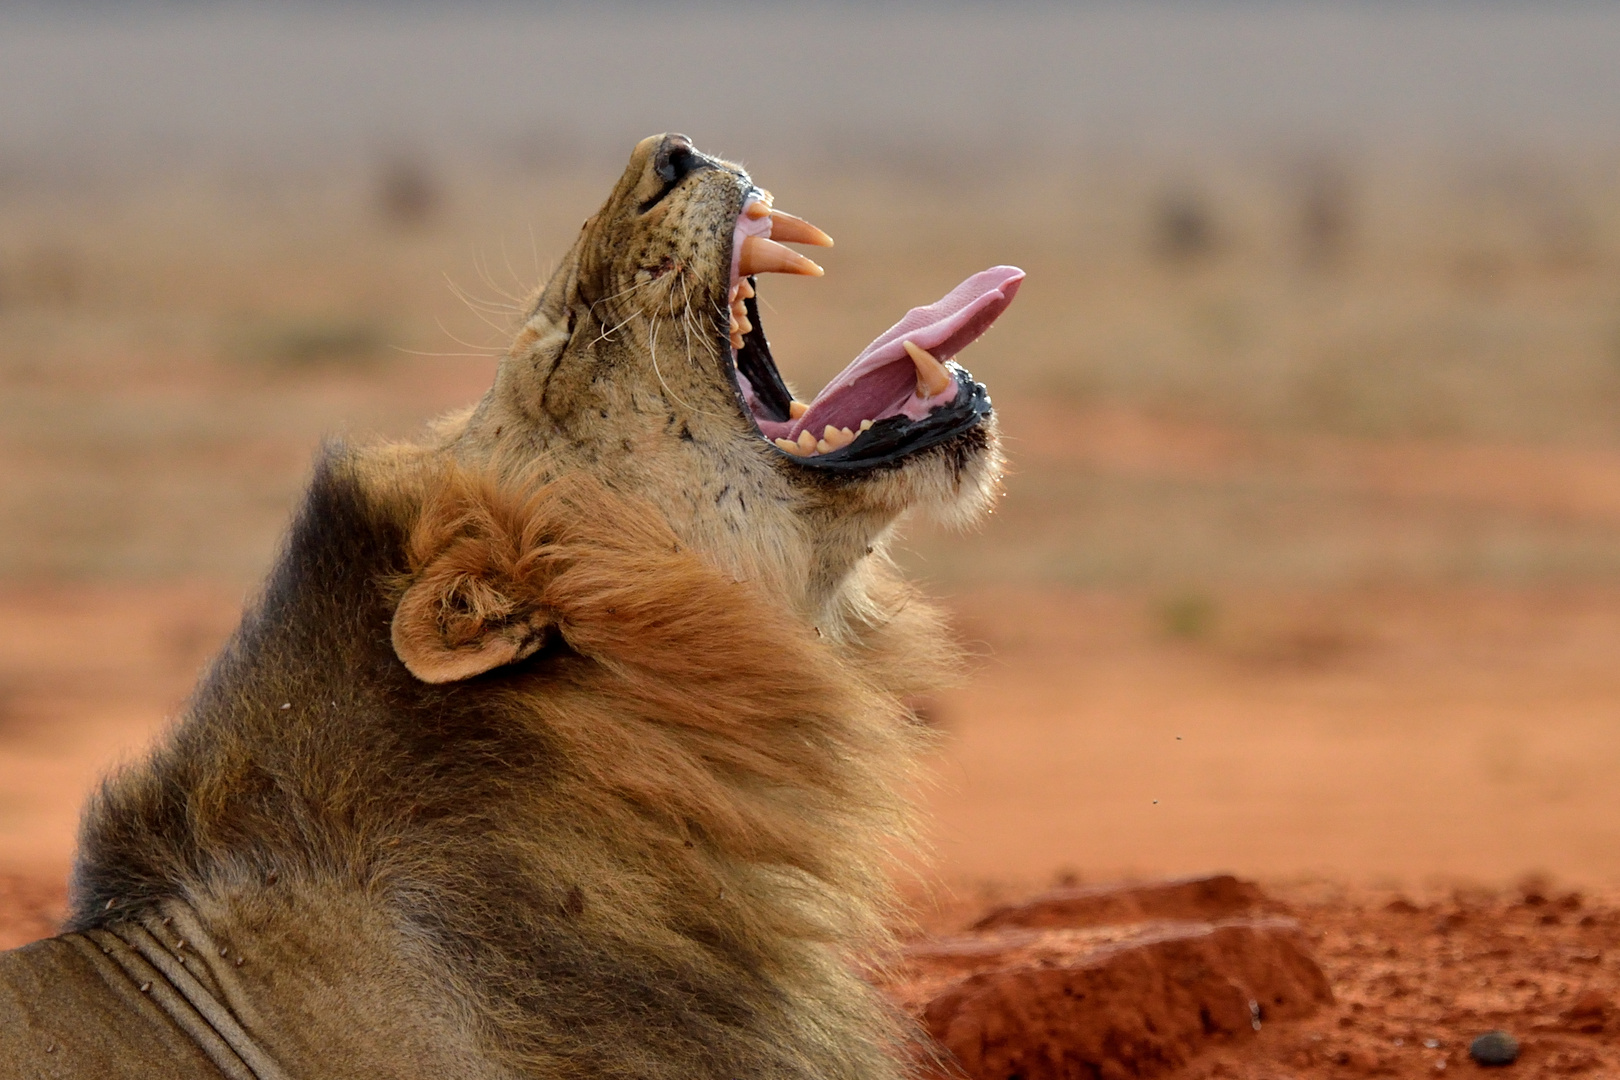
1309	562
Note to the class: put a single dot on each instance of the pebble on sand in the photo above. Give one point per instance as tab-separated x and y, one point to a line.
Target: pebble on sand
1494	1048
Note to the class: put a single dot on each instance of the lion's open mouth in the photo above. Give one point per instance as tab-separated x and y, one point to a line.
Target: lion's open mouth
903	393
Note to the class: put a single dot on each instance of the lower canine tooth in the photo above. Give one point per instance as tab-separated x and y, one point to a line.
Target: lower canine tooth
932	378
762	256
797	409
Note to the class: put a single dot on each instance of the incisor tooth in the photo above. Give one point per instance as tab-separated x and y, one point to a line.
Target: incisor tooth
743	325
745	290
797	409
762	256
807	442
796	230
787	446
865	424
823	446
932	378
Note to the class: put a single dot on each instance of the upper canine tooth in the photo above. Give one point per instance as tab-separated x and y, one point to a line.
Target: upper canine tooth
932	378
762	256
796	230
797	409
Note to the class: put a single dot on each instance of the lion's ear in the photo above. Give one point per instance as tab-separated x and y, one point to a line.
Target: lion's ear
452	625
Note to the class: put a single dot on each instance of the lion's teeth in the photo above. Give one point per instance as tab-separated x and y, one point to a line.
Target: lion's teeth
824	447
932	378
743	325
807	442
796	230
762	256
787	446
731	297
865	424
797	409
745	290
761	206
836	438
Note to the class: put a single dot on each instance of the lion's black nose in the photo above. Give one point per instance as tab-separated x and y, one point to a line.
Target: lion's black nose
675	158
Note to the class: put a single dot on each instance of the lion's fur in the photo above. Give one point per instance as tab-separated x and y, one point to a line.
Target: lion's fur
633	820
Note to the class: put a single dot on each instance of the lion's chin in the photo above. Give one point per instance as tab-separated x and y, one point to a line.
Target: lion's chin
902	395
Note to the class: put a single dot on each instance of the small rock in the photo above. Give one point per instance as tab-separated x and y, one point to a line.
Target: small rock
1494	1048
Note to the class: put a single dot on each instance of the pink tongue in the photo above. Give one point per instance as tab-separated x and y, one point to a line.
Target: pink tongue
882	380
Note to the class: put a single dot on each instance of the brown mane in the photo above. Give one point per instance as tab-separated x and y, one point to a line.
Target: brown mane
685	774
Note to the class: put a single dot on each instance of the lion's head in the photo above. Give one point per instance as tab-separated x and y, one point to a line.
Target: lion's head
644	362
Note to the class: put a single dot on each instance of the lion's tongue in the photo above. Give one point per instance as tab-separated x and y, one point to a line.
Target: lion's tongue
883	380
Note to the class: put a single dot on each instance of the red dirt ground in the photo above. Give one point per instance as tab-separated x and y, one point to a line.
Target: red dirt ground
1367	754
1414	978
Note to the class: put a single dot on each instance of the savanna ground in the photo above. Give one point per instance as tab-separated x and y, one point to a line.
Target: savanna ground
1308	569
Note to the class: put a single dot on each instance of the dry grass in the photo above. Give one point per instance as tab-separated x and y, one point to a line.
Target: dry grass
171	350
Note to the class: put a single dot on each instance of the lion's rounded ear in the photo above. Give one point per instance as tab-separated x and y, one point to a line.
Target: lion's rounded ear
450	627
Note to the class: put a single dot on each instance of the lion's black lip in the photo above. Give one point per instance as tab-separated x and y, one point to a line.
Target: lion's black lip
895	438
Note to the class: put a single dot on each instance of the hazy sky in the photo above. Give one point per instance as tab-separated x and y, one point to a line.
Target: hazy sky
287	80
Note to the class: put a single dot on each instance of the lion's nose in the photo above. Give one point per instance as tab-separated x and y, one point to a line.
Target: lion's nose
676	158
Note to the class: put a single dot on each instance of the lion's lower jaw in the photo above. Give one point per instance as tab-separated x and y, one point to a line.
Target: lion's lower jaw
958	484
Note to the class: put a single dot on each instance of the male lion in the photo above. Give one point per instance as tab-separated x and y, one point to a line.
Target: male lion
565	741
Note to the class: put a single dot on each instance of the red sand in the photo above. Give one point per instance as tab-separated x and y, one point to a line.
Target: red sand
1335	746
1412	981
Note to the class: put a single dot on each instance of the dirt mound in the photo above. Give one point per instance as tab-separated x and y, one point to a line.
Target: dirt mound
1158	980
1200	899
1110	982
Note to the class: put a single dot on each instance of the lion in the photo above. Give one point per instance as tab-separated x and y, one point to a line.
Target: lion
569	739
